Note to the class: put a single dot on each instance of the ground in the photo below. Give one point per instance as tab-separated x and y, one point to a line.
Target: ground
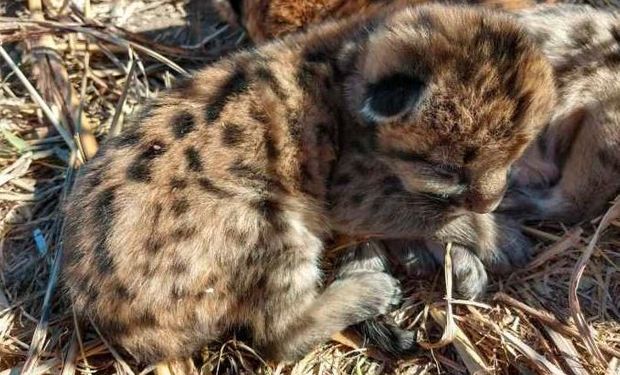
87	66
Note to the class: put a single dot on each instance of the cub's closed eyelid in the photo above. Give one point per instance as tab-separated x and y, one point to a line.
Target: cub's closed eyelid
444	170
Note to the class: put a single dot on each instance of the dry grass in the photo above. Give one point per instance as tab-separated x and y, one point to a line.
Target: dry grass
70	75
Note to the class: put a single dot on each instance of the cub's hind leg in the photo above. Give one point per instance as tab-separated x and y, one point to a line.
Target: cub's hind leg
287	313
349	300
379	332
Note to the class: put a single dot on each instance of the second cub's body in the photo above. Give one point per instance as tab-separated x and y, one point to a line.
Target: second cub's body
209	216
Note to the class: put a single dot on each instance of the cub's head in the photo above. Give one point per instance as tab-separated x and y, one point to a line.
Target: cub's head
452	96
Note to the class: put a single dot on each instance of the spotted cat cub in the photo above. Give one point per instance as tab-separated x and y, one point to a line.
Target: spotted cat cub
210	215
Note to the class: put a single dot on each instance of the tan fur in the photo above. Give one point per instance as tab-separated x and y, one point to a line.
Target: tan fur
210	215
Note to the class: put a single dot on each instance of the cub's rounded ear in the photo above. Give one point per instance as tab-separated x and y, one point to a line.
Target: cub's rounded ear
391	96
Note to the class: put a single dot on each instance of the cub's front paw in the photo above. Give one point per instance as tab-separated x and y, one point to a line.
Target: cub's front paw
468	274
510	248
470	277
381	293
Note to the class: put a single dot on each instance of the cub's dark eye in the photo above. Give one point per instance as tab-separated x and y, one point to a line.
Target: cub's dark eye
391	96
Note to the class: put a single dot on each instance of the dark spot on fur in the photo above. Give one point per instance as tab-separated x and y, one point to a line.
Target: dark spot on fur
523	104
609	159
360	167
183	124
615	33
157	214
179	207
234	236
503	44
320	53
305	77
140	169
612	59
179	267
357	199
426	20
305	174
392	185
391	96
541	141
103	259
270	211
295	127
200	295
542	37
77	255
466	72
583	34
470	154
154	244
265	75
104	216
235	85
271	150
178	293
147	319
342	179
359	146
121	292
194	161
95	178
232	135
91	291
184	233
178	183
325	131
259	114
208	186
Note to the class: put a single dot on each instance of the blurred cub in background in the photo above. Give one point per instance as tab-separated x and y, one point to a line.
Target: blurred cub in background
267	19
573	171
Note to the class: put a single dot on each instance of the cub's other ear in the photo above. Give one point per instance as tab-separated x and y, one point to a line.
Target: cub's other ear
390	97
